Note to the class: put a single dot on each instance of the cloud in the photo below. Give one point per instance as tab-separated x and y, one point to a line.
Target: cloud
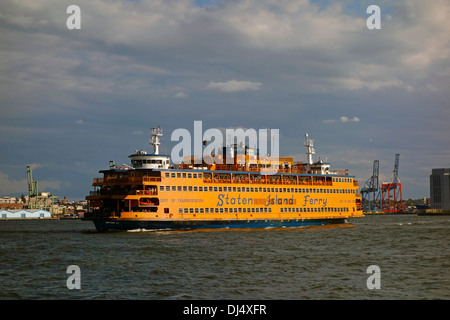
181	95
10	186
133	60
235	86
342	119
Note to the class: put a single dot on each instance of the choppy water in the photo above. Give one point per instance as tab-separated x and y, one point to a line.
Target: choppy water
411	251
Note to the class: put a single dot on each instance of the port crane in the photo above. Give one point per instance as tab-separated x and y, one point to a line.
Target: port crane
36	201
371	192
392	199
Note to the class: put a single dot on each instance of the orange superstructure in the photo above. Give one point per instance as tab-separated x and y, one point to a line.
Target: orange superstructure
153	194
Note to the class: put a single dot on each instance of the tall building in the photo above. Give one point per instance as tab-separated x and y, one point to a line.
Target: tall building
440	188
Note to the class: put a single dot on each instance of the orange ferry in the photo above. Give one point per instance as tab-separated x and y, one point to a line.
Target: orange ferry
152	193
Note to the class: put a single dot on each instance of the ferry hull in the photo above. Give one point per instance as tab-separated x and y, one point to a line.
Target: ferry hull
106	224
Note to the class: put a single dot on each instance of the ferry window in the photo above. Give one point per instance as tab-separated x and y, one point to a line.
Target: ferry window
180	210
200	188
195	176
161	188
210	188
276	189
189	175
174	188
196	210
240	210
167	188
226	210
179	188
260	189
221	210
167	175
195	189
253	209
220	189
185	210
191	210
251	189
166	210
190	188
270	209
244	210
184	175
284	190
172	175
272	189
202	210
281	209
184	188
257	209
234	189
206	210
199	175
238	189
289	190
178	175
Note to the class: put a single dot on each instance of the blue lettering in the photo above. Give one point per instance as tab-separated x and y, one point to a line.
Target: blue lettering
306	200
268	200
220	202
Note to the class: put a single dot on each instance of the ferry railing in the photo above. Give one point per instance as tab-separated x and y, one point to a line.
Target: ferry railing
153	192
126	180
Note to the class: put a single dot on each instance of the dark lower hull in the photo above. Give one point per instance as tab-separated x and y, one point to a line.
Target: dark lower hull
104	224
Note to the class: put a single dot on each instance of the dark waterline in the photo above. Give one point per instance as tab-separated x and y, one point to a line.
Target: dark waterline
327	262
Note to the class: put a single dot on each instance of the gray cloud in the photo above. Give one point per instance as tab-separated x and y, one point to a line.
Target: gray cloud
293	65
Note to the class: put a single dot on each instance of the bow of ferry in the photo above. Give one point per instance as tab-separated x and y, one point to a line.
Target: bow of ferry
253	191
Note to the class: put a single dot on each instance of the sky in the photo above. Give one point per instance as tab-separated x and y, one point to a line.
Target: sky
71	100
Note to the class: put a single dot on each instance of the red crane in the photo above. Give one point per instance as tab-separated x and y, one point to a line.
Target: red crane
392	199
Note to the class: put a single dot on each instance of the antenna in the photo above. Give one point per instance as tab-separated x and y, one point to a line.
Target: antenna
156	133
309	143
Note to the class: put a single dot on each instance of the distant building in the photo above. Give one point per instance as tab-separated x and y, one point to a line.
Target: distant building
24	214
440	188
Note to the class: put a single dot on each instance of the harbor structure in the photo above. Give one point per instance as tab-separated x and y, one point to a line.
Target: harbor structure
391	192
440	188
24	214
